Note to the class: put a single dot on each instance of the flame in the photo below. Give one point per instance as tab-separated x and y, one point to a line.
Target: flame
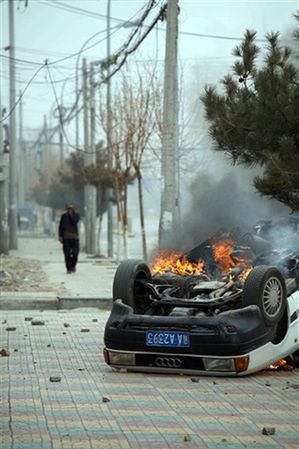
280	365
175	262
222	250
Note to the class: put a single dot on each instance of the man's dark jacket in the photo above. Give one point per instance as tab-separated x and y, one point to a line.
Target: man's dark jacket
68	226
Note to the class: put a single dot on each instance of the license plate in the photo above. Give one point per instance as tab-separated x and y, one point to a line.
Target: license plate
174	339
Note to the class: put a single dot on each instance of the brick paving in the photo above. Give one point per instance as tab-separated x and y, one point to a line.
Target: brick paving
94	407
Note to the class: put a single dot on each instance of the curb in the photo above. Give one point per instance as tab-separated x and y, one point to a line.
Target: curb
53	302
73	302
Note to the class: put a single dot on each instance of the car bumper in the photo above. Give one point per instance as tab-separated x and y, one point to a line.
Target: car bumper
219	345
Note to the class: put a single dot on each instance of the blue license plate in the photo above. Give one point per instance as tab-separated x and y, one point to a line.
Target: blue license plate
174	339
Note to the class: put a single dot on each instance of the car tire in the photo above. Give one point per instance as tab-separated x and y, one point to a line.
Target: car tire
266	288
126	286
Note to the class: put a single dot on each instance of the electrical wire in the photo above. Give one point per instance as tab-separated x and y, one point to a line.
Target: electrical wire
216	36
4	75
81	11
127	51
23	61
47	63
22	94
57	61
61	122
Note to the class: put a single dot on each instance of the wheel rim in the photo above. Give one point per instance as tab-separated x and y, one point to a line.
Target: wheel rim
272	297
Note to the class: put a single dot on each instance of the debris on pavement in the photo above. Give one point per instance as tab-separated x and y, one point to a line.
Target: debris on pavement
24	275
55	379
4	353
268	431
37	323
194	379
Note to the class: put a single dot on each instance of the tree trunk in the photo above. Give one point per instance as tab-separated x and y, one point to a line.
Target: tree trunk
125	222
141	214
99	234
118	205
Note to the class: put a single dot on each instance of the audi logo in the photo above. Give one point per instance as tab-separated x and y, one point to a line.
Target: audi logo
168	362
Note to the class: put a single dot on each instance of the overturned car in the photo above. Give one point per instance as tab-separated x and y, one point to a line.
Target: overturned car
225	308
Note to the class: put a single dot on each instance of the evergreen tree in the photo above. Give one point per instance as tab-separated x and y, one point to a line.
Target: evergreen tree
256	117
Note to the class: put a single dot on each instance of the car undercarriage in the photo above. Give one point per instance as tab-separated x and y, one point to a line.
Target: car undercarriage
227	309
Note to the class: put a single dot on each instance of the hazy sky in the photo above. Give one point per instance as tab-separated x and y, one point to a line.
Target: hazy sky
51	29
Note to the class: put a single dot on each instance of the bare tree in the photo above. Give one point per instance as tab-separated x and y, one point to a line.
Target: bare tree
133	124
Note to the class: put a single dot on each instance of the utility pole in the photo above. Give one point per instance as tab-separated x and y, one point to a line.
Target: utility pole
92	191
60	115
109	146
86	156
169	198
45	150
4	244
13	212
21	159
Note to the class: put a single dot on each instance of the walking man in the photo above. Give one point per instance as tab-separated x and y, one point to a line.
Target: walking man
69	237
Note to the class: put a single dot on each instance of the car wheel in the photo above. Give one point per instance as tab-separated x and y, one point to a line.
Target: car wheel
127	285
266	288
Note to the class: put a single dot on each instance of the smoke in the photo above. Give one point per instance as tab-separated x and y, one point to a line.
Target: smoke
224	200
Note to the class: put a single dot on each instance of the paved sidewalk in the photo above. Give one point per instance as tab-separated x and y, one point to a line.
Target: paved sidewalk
57	393
90	284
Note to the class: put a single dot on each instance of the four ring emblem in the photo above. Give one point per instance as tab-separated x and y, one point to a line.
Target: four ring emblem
168	362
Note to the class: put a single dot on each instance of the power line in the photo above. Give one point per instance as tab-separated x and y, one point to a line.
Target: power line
36	51
22	93
86	12
47	64
4	75
217	36
127	51
23	61
61	121
57	61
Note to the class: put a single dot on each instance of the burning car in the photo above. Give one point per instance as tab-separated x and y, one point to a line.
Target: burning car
226	308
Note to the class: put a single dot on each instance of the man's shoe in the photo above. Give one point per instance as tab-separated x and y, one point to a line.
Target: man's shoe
73	270
69	272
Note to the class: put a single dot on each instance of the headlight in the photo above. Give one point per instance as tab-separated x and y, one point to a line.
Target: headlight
121	358
236	365
219	364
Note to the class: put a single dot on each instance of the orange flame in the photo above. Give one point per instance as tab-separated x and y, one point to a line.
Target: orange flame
280	364
222	249
175	262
